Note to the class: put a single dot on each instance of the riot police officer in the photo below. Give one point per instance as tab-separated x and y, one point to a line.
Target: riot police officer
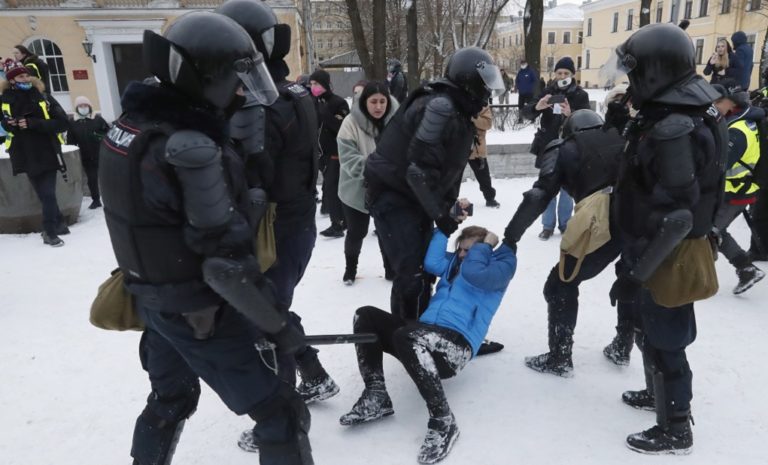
584	162
398	82
413	175
175	203
279	146
669	188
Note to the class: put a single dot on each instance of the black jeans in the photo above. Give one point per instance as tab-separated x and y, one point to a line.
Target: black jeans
483	174
357	229
45	188
429	353
759	213
404	233
331	191
725	215
522	101
91	168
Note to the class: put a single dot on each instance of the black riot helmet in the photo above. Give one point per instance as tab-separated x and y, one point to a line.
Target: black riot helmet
581	120
472	70
208	57
655	58
272	39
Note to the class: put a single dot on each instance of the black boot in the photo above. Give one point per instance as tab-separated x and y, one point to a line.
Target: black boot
316	384
644	399
333	231
619	349
748	276
350	272
96	203
558	360
372	405
673	437
442	433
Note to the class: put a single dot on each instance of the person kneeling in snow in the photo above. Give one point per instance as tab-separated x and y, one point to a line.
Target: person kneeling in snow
448	334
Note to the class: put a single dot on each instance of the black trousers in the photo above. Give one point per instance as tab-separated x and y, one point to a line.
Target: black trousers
45	188
357	229
522	101
404	232
91	168
483	174
429	353
759	213
331	199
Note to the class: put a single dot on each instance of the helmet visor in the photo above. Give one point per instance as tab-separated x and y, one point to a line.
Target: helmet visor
491	76
256	78
268	37
618	65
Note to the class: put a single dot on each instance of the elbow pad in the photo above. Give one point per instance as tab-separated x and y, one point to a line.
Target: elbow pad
673	229
197	161
417	180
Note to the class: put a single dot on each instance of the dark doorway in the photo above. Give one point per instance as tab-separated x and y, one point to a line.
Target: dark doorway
129	65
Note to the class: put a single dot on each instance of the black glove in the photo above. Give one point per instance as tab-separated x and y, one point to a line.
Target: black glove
616	115
624	289
447	224
289	340
511	244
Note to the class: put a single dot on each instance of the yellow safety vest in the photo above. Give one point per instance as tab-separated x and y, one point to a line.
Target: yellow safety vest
6	109
739	178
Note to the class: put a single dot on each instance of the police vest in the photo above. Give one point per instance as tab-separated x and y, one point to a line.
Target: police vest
739	179
6	109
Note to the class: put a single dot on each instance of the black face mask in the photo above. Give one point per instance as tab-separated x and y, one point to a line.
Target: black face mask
236	104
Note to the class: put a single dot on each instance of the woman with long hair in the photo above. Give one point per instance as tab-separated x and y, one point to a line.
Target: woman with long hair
357	138
723	65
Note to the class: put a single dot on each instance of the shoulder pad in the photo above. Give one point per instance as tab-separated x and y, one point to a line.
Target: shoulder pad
440	105
248	125
436	115
190	149
553	144
672	127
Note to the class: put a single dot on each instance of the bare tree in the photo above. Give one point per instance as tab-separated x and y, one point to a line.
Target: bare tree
533	18
412	27
358	35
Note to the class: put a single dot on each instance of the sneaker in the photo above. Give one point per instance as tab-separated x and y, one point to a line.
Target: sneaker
748	277
489	347
545	234
371	405
442	433
247	441
549	363
333	231
492	203
349	277
618	351
53	241
676	439
95	204
642	400
322	388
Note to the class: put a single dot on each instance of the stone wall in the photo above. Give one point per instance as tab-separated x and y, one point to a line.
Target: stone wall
508	161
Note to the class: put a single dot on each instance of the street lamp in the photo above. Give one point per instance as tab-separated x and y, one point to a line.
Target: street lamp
88	48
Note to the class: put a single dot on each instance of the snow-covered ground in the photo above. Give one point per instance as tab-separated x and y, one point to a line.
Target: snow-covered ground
70	393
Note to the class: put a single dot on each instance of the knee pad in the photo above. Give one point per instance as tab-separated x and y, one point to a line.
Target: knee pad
282	428
159	427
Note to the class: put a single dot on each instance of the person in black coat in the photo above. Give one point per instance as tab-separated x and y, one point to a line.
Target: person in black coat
333	109
35	64
86	131
398	82
724	65
34	121
413	175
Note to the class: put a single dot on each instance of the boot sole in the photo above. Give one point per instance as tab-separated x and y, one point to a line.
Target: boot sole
358	421
447	450
322	395
686	451
616	361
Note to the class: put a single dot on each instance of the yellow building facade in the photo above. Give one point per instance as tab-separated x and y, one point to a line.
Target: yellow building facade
608	23
57	30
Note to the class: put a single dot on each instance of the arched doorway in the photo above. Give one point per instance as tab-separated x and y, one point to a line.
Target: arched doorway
48	51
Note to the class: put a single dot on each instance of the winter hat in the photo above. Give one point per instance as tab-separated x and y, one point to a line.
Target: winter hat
14	68
614	94
566	63
738	38
322	77
82	100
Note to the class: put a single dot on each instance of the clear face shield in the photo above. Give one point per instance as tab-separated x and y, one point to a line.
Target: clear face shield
256	79
620	64
268	37
491	76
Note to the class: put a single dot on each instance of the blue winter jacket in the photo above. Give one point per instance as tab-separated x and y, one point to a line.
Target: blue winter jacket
467	302
745	54
526	81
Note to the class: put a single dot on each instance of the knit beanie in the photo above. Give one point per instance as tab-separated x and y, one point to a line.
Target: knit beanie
82	100
566	63
322	77
14	68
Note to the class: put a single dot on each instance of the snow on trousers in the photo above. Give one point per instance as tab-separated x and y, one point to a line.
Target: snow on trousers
429	353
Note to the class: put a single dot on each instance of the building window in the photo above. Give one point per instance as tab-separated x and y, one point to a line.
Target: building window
688	12
567	37
586	59
725	7
703	7
630	18
330	43
615	22
578	62
589	27
550	37
751	38
341	43
339	25
550	64
659	12
517	39
320	44
699	50
51	53
580	37
753	5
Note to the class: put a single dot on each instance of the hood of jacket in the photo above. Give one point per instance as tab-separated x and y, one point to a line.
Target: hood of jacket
365	124
738	38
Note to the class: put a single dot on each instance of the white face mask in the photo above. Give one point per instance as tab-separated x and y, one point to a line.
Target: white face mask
83	111
563	83
523	66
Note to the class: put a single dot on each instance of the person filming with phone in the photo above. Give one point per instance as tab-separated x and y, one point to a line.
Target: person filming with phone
556	102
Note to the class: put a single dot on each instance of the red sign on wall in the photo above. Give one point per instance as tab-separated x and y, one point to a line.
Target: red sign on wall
80	74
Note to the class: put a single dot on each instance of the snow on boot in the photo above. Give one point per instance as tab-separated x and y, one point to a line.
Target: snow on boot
748	277
315	389
619	349
642	399
674	439
371	405
441	435
247	441
552	363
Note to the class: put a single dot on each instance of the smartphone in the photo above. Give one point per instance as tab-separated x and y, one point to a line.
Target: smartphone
557	98
458	211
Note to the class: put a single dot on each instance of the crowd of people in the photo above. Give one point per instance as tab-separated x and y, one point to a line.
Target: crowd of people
208	183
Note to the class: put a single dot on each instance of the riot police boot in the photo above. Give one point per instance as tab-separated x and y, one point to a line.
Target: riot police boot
316	389
673	437
442	433
619	349
748	277
372	405
642	399
558	360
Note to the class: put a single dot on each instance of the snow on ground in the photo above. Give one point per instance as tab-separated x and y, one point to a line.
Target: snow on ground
70	392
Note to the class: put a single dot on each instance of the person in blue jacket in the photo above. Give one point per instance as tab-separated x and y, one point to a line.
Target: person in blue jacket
745	55
473	280
526	82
